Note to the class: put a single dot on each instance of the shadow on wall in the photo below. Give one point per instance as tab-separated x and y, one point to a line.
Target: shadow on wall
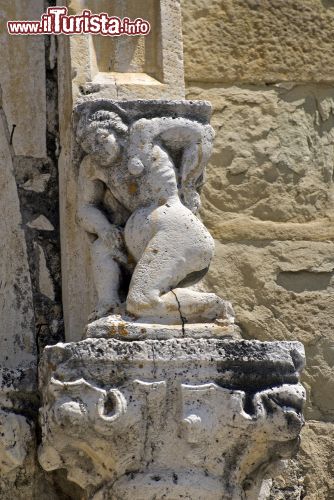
305	281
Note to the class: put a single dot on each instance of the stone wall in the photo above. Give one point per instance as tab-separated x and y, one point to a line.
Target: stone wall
29	111
30	290
267	68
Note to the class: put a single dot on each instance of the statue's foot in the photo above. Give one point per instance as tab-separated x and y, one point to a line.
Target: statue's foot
185	305
200	307
104	309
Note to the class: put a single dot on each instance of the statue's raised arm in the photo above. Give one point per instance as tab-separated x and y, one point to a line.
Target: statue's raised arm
190	140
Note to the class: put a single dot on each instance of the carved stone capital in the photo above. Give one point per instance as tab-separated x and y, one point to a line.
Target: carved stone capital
178	418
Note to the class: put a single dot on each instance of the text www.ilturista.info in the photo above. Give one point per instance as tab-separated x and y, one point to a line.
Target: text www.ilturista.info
56	21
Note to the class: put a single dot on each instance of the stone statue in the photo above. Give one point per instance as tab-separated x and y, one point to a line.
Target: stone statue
138	196
161	399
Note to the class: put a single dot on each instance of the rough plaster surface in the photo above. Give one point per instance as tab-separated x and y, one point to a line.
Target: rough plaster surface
268	202
258	40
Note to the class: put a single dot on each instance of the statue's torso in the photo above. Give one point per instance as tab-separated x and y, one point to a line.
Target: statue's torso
154	186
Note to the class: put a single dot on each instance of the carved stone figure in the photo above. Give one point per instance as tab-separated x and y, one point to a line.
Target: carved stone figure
166	407
138	196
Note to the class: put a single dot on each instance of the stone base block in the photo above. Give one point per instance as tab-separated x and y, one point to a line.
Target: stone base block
178	418
121	328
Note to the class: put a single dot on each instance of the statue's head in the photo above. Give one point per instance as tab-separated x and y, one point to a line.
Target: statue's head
103	134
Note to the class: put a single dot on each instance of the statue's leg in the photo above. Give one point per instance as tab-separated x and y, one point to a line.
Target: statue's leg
180	250
106	276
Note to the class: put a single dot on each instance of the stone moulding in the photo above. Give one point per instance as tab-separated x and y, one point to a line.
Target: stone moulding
180	418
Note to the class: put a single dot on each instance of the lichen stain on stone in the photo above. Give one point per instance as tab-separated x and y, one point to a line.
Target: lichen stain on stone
120	329
133	188
112	331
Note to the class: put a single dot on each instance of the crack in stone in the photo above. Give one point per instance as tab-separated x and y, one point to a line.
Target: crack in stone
12	135
183	319
154	364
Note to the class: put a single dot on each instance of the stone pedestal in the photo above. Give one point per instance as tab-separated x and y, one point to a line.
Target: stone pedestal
162	400
123	328
179	418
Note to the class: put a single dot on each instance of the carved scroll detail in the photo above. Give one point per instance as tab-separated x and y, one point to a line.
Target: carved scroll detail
197	431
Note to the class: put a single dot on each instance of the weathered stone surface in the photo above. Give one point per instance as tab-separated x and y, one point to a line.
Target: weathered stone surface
283	192
17	332
316	460
279	284
272	160
45	282
268	202
15	436
117	327
143	166
256	41
17	430
28	187
41	223
37	192
181	418
138	196
22	79
163	79
275	286
311	476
